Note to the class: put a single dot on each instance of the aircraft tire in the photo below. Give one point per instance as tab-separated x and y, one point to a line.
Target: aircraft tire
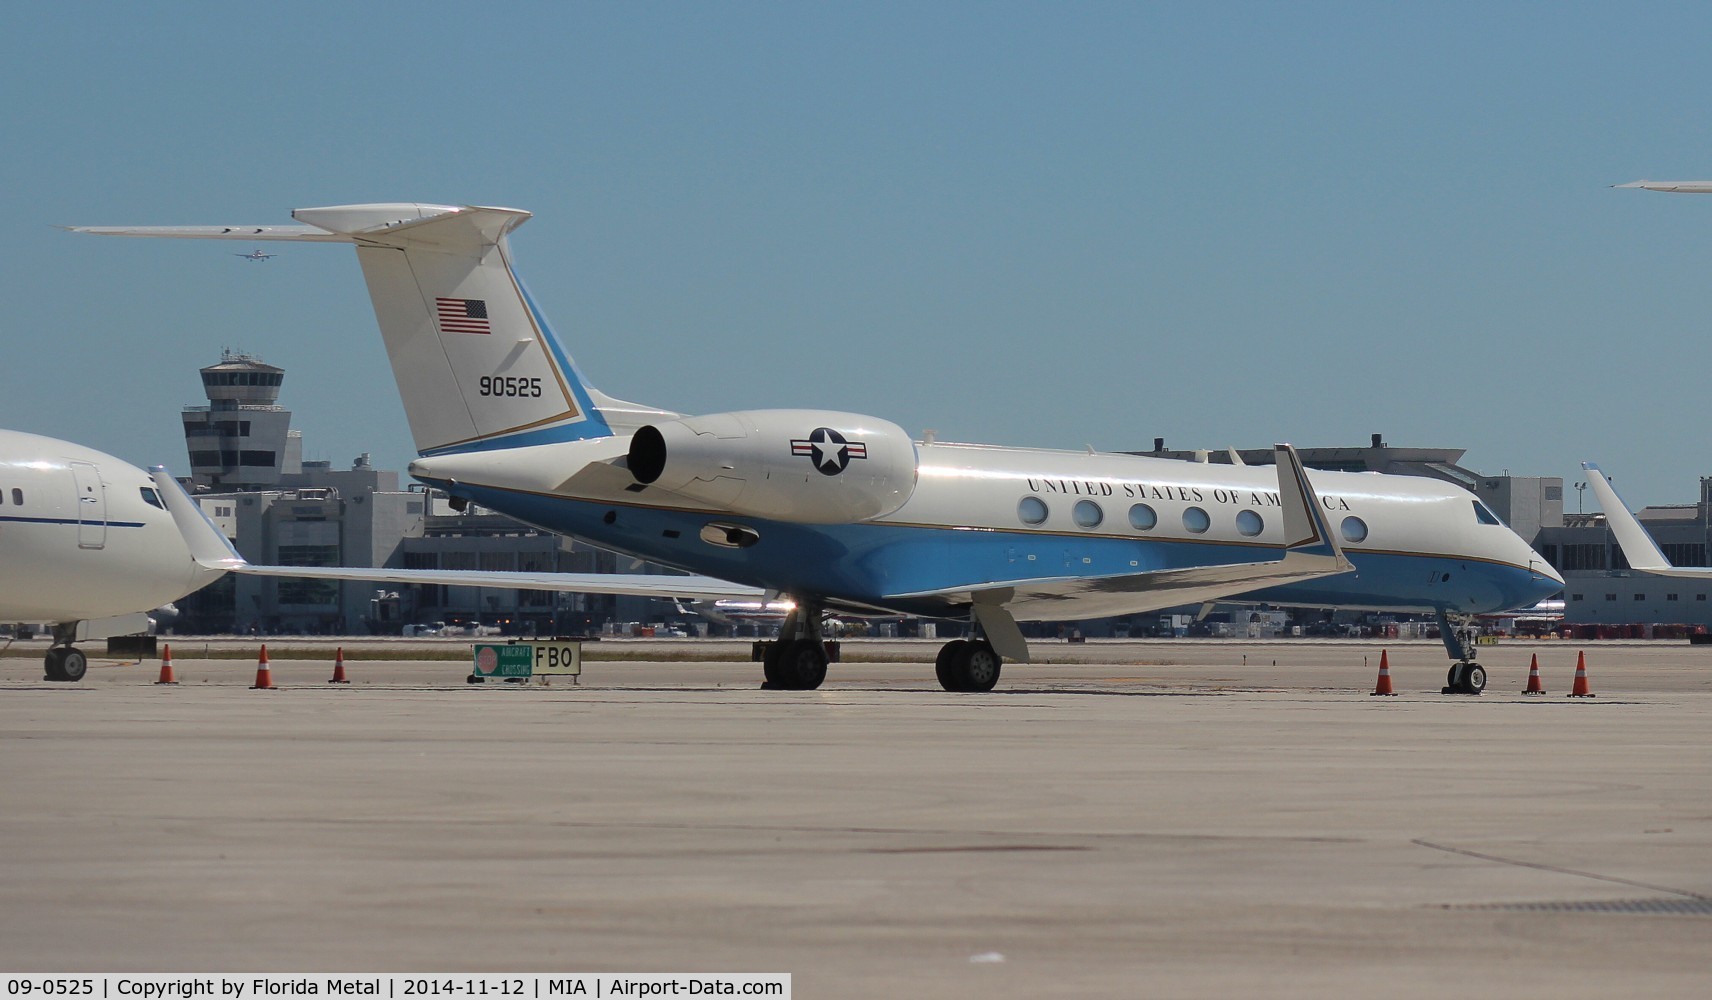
53	668
802	666
74	665
770	663
1474	679
948	654
975	668
65	663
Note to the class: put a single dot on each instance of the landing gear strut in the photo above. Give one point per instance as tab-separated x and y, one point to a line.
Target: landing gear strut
1466	676
797	661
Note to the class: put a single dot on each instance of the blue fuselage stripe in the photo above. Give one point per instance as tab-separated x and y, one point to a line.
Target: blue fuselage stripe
860	563
65	520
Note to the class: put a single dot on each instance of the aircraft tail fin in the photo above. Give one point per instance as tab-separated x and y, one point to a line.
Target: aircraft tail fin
476	363
1642	553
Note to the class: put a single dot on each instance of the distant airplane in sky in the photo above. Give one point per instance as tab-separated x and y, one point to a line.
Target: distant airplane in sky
255	254
844	512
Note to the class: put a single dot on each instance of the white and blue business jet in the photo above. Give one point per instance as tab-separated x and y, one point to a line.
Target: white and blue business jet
842	511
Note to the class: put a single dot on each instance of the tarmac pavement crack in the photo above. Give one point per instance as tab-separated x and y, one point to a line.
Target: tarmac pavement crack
1557	869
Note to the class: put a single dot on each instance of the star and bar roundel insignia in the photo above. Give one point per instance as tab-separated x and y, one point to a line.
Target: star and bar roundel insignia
828	450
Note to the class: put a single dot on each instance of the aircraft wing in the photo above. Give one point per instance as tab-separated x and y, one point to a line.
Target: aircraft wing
296	234
1638	547
209	547
1311	550
1674	187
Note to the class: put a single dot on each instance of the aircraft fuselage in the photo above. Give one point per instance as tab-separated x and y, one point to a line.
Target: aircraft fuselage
1419	545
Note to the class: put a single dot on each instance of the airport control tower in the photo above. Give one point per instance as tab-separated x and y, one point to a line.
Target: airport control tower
242	439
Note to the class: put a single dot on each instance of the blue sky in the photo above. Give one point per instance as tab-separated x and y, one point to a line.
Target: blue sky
1038	224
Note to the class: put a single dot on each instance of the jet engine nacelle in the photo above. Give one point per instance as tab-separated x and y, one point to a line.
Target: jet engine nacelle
804	466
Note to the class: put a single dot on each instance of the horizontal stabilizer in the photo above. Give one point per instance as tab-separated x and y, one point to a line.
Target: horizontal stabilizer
210	548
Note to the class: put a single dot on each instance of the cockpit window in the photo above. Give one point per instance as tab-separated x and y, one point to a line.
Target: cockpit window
1483	515
151	497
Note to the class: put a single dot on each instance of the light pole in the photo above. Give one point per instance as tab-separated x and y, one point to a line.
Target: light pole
1580	490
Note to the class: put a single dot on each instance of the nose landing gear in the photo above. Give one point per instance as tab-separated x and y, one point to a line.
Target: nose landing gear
1466	675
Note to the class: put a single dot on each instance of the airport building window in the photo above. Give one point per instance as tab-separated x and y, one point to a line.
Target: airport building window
1354	529
1680	554
1610	597
1700	597
1583	557
1670	597
261	458
1575	597
1142	517
1087	514
1032	510
1249	523
1196	520
1640	597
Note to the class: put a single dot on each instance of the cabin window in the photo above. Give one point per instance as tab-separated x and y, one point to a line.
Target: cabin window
150	497
1354	529
1249	523
1142	517
1196	520
1087	514
17	496
1483	515
1032	510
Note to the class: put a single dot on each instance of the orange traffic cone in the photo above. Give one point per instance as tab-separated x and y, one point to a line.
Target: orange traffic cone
1383	688
339	667
1581	690
1535	686
166	676
264	673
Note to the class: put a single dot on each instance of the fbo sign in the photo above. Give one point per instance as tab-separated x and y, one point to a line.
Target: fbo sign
518	660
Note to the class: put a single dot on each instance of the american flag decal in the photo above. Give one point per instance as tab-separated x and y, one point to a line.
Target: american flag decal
462	315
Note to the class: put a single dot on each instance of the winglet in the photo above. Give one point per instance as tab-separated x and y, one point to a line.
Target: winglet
208	546
1305	528
1638	546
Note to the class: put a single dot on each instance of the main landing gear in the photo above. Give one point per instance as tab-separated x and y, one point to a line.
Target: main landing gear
1466	676
967	665
64	662
797	661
